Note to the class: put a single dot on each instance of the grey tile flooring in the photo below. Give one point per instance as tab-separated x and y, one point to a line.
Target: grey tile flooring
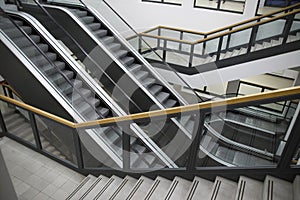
36	177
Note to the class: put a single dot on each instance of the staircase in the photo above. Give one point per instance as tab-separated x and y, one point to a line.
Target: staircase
130	188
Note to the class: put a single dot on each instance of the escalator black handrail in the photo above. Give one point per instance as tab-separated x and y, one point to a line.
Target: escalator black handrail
135	32
85	53
49	61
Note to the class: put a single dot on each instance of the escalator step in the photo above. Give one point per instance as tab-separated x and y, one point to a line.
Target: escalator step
66	89
114	46
75	97
127	60
112	136
84	108
26	29
135	67
23	42
7	24
80	13
93	101
148	81
154	89
41	60
101	33
108	39
162	96
88	19
104	112
121	53
59	78
32	50
94	26
49	69
138	148
141	74
170	103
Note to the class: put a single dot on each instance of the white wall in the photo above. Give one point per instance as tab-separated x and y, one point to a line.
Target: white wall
144	15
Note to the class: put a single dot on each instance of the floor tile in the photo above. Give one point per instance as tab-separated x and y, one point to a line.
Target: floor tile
50	190
59	194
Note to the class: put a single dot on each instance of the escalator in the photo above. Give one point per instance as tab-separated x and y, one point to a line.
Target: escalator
47	78
124	74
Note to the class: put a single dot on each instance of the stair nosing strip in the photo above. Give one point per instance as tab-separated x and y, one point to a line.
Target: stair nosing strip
133	191
103	189
152	189
91	188
169	194
119	189
216	190
193	190
86	179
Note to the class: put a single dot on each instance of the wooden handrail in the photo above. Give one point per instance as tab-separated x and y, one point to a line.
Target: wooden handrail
224	33
226	27
157	113
4	84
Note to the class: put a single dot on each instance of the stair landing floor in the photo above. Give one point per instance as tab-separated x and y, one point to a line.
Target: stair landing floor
36	177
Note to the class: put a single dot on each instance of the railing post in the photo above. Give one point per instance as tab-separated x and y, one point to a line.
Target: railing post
159	34
140	44
181	38
197	136
228	39
219	48
190	64
292	143
35	131
126	146
164	56
204	45
2	123
78	149
287	27
252	37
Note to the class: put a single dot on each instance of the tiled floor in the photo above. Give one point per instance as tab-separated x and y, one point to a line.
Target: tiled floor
36	177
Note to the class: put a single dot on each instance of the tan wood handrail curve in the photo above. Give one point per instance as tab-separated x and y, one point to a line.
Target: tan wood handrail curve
4	84
156	113
225	27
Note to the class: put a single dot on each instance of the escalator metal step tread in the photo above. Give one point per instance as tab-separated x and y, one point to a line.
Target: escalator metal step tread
104	112
94	101
107	39
75	97
148	81
135	67
33	51
170	103
121	53
80	13
94	26
111	136
40	60
84	108
49	69
24	42
59	78
154	89
114	46
87	19
138	148
127	60
141	74
162	96
26	29
101	33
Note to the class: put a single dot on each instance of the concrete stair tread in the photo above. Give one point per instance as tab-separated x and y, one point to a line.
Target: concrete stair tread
178	189
277	189
124	188
96	187
159	189
223	189
140	189
199	189
109	188
249	189
82	187
296	187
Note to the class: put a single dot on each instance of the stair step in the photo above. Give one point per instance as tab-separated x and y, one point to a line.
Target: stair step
101	33
33	51
111	136
59	78
84	108
76	97
178	189
154	89
249	189
162	96
158	189
94	26
97	186
140	189
23	42
40	60
108	39
124	188
127	60
104	112
109	188
141	74
82	188
80	13
114	46
49	69
223	189
134	68
277	189
148	81
170	103
87	19
199	189
121	53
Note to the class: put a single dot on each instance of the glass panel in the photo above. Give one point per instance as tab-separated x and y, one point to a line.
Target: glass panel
56	139
18	123
240	40
178	59
246	89
233	5
296	157
244	137
206	3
